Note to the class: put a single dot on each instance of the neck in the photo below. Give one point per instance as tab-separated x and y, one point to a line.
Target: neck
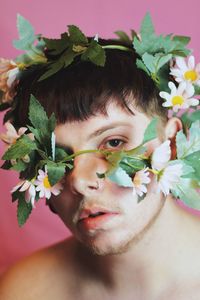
167	253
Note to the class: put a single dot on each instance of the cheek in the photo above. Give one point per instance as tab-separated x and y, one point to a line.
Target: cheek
65	207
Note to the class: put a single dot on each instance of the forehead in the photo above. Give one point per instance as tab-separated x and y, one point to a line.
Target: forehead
77	133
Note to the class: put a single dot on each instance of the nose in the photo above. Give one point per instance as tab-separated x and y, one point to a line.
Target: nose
83	178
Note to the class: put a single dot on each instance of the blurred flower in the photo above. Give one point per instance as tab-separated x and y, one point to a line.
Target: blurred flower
179	98
8	74
167	175
186	71
140	180
29	188
161	156
44	186
11	134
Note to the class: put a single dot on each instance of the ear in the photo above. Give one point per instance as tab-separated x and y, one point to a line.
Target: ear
171	129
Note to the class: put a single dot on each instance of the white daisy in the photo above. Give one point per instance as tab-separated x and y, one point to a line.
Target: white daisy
169	177
186	71
140	180
29	188
44	186
179	98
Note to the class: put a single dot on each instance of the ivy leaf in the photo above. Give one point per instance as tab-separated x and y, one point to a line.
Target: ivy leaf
22	147
120	177
56	171
23	209
192	144
95	53
186	192
151	131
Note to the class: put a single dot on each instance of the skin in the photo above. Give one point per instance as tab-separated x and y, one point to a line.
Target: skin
149	250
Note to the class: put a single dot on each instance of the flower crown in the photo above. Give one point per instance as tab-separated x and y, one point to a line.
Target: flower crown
32	150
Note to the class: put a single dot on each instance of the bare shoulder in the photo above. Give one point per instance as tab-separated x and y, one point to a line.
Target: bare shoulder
43	275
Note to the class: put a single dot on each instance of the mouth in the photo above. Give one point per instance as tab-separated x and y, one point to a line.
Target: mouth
94	218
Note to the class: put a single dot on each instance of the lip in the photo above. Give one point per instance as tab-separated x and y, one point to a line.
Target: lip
88	222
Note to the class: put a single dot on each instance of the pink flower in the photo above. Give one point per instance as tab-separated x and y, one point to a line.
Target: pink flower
29	189
44	186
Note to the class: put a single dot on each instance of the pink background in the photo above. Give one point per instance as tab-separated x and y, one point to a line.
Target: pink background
50	18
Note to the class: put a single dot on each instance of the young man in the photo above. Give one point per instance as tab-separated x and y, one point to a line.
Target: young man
121	248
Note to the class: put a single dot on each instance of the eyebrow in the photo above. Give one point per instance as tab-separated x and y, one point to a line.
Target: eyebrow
107	127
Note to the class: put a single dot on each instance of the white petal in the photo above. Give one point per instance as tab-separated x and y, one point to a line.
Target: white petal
180	61
191	62
181	88
193	102
189	90
165	95
172	88
161	156
25	186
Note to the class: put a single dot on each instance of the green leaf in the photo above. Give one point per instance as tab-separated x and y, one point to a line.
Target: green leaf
151	131
23	209
123	36
95	53
147	28
60	154
189	117
57	46
120	177
197	89
132	164
193	160
37	114
53	68
192	144
19	166
184	40
186	192
26	34
55	171
142	66
76	35
23	146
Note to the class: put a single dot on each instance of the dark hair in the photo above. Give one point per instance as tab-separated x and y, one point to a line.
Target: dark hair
84	89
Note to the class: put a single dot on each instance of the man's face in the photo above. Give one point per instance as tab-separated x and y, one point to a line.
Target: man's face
103	215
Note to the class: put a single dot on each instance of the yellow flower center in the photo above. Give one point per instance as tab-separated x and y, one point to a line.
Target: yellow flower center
191	75
137	180
177	100
46	182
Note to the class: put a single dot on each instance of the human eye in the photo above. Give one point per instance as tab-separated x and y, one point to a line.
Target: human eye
114	143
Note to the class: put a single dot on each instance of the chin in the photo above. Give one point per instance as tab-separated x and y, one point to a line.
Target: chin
110	244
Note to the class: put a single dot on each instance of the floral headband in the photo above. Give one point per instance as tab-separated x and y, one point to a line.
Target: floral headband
32	150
